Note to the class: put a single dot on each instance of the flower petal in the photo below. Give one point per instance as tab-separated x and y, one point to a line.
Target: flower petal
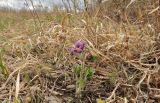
80	44
78	50
71	49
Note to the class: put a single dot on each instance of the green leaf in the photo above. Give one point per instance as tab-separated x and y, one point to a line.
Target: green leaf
82	83
17	101
90	72
94	58
77	69
113	76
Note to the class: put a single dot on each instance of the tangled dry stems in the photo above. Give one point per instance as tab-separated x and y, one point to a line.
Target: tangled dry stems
127	68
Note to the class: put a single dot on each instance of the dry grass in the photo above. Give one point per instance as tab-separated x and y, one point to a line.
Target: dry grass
37	67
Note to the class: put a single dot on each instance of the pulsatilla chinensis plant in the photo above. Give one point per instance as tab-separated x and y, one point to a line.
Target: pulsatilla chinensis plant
82	72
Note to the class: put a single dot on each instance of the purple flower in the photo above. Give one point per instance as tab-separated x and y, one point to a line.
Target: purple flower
78	47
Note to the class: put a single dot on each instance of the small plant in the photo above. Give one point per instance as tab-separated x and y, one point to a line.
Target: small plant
3	68
81	71
82	75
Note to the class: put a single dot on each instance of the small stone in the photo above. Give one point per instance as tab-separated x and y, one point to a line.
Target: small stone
71	86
